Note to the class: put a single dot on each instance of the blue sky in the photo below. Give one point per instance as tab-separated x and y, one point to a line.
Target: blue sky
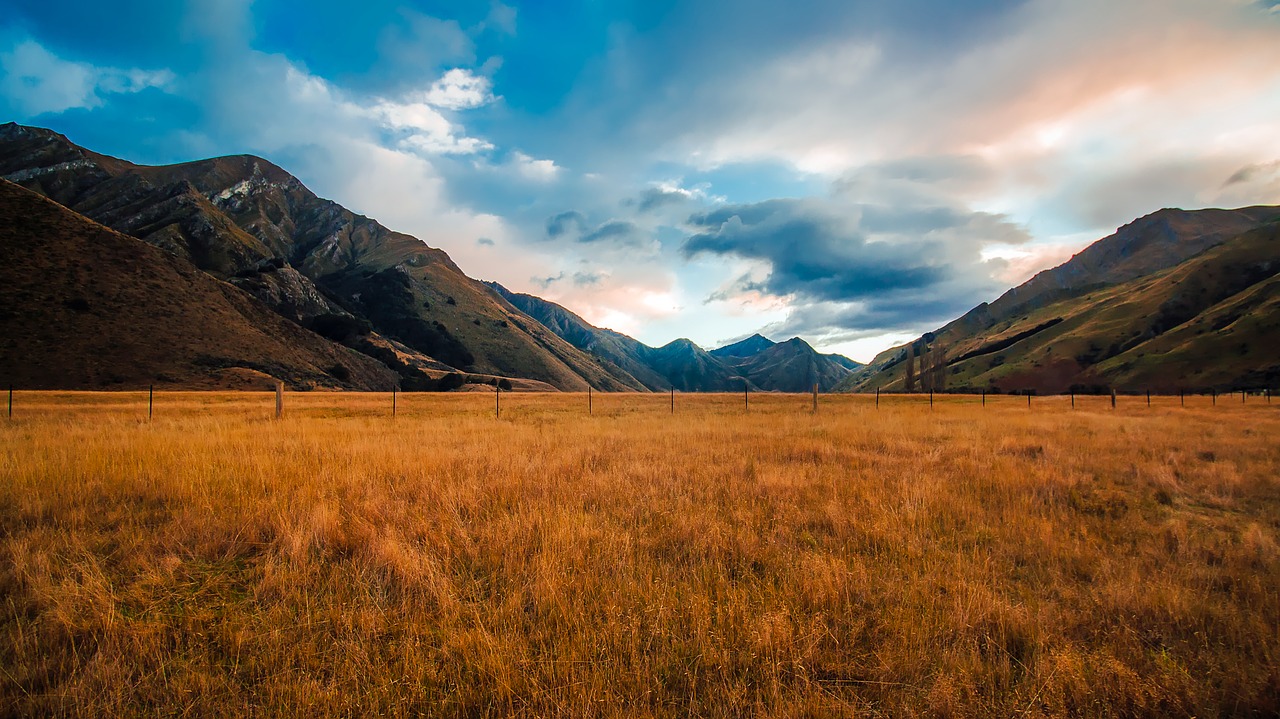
852	172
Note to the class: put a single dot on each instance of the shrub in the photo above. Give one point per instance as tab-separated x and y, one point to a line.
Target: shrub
451	381
339	328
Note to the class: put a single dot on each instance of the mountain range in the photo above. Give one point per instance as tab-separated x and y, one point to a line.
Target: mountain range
242	274
1176	300
791	366
229	272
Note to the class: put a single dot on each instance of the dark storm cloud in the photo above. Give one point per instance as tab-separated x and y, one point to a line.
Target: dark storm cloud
564	223
656	197
1249	172
575	226
849	267
815	251
615	231
588	279
909	311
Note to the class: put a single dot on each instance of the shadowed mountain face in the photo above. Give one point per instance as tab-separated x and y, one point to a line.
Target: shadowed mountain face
1174	300
243	219
620	351
743	348
791	366
85	307
680	364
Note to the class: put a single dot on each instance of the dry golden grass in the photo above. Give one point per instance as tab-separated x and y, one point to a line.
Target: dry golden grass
960	561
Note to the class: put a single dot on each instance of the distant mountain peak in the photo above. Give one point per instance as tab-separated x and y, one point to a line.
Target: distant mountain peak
796	342
752	345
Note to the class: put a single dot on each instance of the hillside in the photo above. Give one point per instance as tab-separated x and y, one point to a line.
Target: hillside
1175	300
743	348
621	351
243	219
85	307
791	366
680	364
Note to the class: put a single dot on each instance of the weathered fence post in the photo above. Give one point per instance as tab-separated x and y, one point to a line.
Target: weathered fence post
815	398
151	397
877	398
984	398
279	399
673	399
1073	400
589	409
11	401
745	405
393	401
1182	398
1214	393
1113	399
1148	398
1242	393
1028	399
497	401
930	399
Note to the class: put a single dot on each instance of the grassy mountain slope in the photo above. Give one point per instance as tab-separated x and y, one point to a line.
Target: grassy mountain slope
230	215
1206	321
617	349
86	307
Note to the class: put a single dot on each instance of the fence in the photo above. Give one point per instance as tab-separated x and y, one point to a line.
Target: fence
591	402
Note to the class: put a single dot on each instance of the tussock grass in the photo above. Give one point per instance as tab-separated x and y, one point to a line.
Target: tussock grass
964	561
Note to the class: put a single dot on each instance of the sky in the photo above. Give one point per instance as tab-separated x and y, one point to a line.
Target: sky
851	172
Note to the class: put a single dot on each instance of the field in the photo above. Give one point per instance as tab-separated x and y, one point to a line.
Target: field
964	560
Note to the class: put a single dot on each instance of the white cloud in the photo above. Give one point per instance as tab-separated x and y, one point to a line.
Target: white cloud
425	130
459	89
39	82
534	169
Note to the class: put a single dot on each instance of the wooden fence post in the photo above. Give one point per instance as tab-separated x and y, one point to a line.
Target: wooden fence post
151	400
984	398
1073	400
393	401
1182	398
877	398
930	399
745	405
10	401
1113	399
1148	398
1214	393
497	401
279	399
589	409
1028	399
815	398
673	399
